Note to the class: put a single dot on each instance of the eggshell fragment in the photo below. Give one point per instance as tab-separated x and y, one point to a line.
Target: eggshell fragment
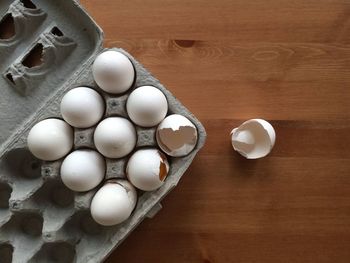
147	106
113	203
50	139
115	137
82	107
82	170
113	72
253	139
176	135
147	169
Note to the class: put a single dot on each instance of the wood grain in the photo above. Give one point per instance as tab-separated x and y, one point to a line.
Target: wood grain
228	61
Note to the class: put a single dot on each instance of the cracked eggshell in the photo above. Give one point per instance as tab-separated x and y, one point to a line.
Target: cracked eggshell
253	139
176	135
115	137
82	107
147	106
82	170
113	72
147	169
50	139
113	203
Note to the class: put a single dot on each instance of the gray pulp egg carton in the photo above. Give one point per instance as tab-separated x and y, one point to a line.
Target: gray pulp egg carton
40	219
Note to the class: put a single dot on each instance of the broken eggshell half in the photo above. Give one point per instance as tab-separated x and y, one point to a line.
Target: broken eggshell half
253	139
176	135
147	169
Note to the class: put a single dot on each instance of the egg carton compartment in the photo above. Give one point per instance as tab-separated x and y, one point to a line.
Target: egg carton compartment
22	172
23	234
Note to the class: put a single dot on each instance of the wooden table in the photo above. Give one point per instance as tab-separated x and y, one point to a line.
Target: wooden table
228	61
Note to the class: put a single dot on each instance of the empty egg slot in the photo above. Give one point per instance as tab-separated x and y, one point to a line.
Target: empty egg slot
28	4
62	196
54	192
32	224
27	223
7	27
20	163
89	226
82	221
55	252
35	57
6	251
5	194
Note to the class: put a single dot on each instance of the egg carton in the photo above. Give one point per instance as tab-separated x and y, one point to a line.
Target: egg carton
41	220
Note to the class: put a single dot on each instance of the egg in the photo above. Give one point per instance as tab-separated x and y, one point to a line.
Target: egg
50	139
115	137
254	138
113	72
113	203
176	135
82	107
82	170
147	106
147	169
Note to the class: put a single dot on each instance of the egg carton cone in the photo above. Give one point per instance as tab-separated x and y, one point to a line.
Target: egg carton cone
47	47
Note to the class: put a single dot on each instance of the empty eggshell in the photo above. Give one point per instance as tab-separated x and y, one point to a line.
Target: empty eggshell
115	137
50	139
113	203
253	139
82	170
113	72
147	169
147	106
176	135
82	107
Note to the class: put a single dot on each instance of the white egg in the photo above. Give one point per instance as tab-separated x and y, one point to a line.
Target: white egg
50	139
82	107
82	170
115	137
147	169
176	135
113	72
147	106
113	203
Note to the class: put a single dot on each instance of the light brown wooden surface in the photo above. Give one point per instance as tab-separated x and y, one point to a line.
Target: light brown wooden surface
228	61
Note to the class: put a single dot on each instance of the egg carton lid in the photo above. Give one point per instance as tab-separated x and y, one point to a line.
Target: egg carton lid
53	41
